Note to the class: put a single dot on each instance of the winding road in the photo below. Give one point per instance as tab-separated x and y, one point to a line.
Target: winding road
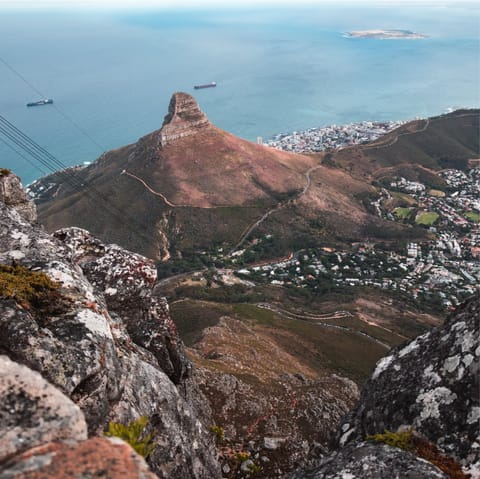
318	320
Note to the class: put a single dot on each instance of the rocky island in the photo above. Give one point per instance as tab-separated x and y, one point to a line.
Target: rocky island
386	34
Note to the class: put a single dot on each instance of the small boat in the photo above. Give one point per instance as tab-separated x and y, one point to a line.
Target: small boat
206	85
45	101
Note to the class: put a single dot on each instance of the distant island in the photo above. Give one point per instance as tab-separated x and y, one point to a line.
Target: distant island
385	34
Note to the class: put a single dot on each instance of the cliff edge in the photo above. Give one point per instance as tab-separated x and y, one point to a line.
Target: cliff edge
80	321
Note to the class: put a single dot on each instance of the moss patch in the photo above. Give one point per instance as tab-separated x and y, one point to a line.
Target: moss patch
409	441
24	285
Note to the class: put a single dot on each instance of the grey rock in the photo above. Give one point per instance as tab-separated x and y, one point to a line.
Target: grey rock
247	465
371	461
126	281
432	384
115	354
33	412
12	194
273	443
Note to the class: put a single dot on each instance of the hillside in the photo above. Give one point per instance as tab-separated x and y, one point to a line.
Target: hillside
192	186
417	149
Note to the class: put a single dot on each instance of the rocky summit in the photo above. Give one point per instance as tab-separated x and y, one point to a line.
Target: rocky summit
184	118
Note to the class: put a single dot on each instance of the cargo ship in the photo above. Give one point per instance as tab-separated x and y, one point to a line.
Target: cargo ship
45	101
206	85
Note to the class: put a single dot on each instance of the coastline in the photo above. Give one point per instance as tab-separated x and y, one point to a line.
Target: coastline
385	34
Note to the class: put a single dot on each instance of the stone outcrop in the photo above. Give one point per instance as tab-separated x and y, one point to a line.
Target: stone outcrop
371	461
33	412
116	364
12	194
184	118
430	386
102	458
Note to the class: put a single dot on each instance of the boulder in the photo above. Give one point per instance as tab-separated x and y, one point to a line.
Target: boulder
370	461
101	458
431	385
33	412
12	194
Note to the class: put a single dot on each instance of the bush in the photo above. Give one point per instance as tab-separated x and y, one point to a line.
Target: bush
134	434
218	432
32	288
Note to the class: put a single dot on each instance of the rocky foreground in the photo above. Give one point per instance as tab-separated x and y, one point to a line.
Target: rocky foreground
86	341
99	348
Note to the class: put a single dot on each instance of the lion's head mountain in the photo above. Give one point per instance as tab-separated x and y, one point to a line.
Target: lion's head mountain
190	184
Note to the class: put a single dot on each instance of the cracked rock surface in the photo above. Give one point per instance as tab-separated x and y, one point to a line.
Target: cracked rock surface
109	344
431	385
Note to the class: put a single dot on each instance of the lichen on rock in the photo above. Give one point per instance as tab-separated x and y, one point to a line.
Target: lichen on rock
112	348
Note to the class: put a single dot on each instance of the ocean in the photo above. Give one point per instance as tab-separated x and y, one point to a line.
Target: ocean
111	74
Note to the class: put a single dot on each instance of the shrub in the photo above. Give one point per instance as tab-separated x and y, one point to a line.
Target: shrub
402	440
255	469
25	286
242	456
218	432
4	172
134	434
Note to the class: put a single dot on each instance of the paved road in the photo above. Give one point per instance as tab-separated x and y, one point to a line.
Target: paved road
319	319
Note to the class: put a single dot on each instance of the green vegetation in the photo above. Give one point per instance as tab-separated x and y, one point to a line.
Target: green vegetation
250	311
32	288
426	218
472	216
134	434
404	198
4	172
402	213
255	469
243	456
218	432
402	440
422	448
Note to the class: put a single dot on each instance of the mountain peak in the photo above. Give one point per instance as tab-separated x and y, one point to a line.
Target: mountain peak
184	118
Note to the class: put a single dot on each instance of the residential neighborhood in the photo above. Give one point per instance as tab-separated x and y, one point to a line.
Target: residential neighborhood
443	270
334	136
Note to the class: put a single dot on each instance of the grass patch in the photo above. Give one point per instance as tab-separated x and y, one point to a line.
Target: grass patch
472	216
402	213
339	351
426	218
409	200
250	311
438	193
134	433
192	317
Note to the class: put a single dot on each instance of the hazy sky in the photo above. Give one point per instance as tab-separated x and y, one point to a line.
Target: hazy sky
135	4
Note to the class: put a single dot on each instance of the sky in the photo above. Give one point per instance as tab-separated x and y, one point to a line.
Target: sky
137	4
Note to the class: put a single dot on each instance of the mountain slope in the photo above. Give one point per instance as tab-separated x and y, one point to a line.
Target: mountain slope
187	186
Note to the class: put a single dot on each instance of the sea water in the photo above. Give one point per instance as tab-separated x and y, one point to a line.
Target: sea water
111	74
